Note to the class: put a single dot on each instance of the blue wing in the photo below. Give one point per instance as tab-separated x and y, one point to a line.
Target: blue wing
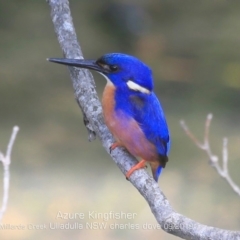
148	112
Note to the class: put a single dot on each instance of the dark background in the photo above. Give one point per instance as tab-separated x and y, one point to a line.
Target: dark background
193	48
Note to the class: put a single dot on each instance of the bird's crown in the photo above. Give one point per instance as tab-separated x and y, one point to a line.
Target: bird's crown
125	70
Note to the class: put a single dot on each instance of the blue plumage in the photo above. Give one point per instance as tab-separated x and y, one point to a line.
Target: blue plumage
144	108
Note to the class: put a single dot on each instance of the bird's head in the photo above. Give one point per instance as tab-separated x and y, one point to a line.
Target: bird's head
121	70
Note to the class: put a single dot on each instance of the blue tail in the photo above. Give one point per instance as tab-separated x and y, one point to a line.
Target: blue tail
158	173
156	170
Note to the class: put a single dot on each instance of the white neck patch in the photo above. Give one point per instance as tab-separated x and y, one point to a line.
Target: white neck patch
134	86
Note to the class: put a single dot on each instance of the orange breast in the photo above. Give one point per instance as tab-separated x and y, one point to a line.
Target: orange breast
125	129
108	103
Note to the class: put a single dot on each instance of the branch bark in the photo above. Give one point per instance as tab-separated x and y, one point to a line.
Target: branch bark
86	96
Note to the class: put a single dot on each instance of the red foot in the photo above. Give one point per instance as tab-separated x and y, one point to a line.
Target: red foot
115	145
141	164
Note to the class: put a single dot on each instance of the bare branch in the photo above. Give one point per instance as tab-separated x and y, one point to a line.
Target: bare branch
194	139
207	126
225	156
6	161
214	160
68	40
85	93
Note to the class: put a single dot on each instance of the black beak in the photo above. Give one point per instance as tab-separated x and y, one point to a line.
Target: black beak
81	63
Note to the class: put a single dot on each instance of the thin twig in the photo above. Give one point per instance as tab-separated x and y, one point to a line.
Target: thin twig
190	135
225	156
214	160
6	161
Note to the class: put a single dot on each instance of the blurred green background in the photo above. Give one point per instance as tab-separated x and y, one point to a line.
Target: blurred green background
193	48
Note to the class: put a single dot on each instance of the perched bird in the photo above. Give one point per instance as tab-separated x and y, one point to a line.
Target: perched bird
131	110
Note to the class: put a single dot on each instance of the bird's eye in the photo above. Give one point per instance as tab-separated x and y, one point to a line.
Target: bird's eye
113	68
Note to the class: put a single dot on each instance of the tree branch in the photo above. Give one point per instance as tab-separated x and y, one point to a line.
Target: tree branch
86	96
214	160
6	161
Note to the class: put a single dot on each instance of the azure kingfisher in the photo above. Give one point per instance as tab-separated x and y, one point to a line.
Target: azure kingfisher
131	110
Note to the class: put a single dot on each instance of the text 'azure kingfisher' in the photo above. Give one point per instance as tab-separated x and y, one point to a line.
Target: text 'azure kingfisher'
131	110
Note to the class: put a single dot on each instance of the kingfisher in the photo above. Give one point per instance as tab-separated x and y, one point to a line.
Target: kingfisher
131	110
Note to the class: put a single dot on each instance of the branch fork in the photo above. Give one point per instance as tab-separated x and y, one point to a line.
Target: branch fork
214	159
